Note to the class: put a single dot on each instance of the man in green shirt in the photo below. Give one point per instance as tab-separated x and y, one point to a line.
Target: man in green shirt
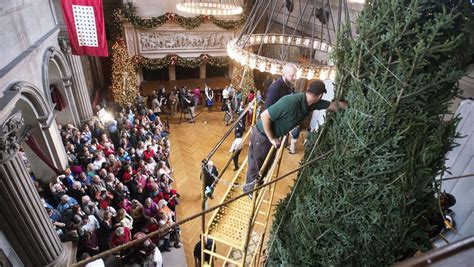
279	119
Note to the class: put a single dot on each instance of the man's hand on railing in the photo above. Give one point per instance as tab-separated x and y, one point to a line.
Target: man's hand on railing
276	142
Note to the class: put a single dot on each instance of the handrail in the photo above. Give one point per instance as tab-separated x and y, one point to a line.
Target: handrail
229	161
228	132
256	194
456	254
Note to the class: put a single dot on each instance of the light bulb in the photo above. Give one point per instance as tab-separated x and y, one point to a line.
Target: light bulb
262	66
323	75
310	74
332	75
299	73
324	46
265	39
315	44
290	39
237	57
274	39
258	39
244	60
281	39
253	62
273	68
298	41
306	42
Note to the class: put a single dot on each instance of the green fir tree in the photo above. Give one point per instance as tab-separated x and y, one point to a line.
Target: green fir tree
367	202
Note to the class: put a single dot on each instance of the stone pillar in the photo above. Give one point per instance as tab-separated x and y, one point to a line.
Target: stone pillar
80	92
99	72
22	216
172	72
202	71
71	96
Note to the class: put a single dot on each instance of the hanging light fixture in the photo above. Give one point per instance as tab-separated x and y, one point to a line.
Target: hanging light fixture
268	50
210	7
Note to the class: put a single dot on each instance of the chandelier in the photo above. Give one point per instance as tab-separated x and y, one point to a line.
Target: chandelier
309	30
214	7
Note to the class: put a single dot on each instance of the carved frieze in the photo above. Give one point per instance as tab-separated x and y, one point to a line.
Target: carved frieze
157	41
10	131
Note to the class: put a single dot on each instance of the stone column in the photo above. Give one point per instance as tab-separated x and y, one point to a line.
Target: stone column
22	216
71	98
80	92
172	72
98	70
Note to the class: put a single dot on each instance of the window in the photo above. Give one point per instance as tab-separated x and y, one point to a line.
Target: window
156	75
184	73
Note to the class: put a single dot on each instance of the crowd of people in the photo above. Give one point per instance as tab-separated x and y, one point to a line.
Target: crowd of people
119	183
118	186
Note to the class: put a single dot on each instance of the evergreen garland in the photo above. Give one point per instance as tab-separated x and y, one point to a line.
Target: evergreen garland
172	59
367	203
128	13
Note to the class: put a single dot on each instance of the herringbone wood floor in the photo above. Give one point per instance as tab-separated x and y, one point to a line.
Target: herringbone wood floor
190	144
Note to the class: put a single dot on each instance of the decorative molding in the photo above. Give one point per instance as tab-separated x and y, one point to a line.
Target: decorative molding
160	42
10	132
65	45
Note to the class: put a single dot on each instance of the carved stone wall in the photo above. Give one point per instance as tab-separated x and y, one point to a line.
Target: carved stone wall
174	39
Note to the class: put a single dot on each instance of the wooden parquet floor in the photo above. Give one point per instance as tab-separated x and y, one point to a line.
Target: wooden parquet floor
190	144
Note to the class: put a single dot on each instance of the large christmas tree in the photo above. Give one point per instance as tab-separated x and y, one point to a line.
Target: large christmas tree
124	75
367	202
242	78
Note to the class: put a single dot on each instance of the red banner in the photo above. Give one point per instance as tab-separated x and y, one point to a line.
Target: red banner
85	23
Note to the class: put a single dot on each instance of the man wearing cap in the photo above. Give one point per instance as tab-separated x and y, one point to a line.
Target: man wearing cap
282	86
279	119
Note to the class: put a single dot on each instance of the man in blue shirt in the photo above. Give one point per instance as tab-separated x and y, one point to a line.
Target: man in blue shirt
282	86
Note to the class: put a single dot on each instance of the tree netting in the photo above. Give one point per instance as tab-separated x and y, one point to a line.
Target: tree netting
367	203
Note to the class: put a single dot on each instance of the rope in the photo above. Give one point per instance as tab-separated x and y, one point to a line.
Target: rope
455	177
164	231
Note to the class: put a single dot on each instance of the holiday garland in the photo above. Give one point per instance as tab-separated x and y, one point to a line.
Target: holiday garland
128	12
172	59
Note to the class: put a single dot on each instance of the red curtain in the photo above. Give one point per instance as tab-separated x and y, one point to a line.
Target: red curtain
31	142
57	98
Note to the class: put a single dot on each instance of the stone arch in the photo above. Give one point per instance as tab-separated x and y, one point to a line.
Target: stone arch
37	114
33	97
56	70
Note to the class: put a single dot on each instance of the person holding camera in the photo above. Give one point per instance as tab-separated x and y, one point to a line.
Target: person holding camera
188	101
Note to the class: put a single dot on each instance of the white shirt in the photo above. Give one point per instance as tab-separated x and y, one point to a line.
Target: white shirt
154	259
98	163
237	145
97	263
91	226
225	93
